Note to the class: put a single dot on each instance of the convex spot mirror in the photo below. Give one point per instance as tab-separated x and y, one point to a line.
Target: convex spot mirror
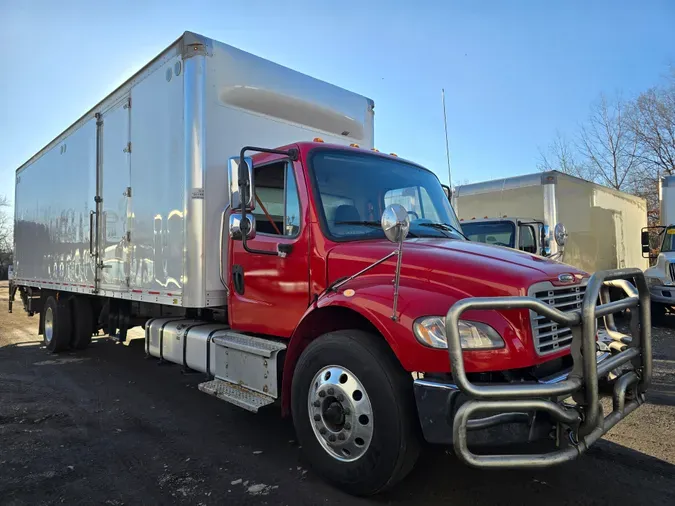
395	223
245	175
560	234
236	228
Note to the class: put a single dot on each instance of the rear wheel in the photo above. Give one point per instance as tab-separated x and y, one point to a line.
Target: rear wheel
83	326
56	318
354	412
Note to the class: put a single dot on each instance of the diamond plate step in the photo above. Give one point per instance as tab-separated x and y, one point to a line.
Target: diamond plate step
236	394
248	344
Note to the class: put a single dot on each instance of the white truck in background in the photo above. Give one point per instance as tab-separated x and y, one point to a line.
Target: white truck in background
552	214
661	276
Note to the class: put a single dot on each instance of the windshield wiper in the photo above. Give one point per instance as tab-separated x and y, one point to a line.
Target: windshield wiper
442	226
357	222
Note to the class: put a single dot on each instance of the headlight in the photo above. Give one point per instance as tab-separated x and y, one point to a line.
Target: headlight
430	331
651	282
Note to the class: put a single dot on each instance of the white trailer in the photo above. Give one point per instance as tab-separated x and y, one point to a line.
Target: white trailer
597	226
126	203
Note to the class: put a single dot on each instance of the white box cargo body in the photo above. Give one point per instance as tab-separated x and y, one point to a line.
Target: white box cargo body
603	224
147	169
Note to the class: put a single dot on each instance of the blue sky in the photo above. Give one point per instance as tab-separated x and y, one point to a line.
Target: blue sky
514	72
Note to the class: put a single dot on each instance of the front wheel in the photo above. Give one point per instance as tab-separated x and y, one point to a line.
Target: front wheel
354	412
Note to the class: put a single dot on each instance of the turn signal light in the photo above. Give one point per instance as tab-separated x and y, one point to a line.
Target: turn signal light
376	150
393	154
354	145
318	139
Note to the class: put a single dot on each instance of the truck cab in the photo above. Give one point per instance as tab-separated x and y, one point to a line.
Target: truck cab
660	277
658	244
394	321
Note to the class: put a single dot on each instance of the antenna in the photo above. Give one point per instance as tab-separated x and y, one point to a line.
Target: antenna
447	146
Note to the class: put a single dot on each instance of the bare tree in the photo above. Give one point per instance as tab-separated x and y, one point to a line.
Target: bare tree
5	238
5	226
653	125
561	155
607	144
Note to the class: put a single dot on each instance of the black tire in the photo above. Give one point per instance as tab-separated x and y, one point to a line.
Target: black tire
395	442
658	311
83	326
57	325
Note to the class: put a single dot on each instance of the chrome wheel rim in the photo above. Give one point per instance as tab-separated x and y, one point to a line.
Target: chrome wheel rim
340	413
49	325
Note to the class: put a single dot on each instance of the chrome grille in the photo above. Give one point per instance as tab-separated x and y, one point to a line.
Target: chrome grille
549	337
672	271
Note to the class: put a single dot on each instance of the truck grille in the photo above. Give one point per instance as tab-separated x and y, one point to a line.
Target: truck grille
672	271
549	337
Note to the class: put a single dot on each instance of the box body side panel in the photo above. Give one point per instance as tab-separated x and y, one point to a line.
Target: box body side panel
53	201
157	208
629	217
524	202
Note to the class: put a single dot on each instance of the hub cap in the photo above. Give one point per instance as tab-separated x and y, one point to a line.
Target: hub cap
49	325
340	413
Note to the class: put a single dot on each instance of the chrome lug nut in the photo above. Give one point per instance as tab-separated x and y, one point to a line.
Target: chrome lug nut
341	437
340	397
322	394
317	404
322	430
331	391
331	438
348	426
347	411
317	417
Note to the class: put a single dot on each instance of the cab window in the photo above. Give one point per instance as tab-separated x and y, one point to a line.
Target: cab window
277	209
527	239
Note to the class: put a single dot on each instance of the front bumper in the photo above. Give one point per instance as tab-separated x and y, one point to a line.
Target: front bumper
567	407
663	294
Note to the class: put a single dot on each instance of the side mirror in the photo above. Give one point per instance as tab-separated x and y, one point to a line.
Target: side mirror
395	223
644	236
560	234
447	191
237	228
545	231
237	174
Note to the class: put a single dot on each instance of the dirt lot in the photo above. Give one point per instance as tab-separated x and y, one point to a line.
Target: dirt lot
107	426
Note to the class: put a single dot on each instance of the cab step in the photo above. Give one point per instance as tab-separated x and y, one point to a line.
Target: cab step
236	394
249	344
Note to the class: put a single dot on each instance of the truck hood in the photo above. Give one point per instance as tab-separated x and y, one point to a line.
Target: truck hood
473	268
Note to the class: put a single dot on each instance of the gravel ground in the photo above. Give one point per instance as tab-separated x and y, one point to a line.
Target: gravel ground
107	426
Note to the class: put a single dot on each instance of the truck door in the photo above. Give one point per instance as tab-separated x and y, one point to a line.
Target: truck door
115	209
268	293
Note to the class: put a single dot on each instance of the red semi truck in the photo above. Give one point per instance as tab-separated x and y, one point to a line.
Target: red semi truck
326	277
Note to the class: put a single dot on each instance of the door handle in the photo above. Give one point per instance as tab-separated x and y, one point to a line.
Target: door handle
238	278
91	232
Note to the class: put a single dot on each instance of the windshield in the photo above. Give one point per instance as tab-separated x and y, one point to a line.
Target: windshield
499	233
354	188
669	240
